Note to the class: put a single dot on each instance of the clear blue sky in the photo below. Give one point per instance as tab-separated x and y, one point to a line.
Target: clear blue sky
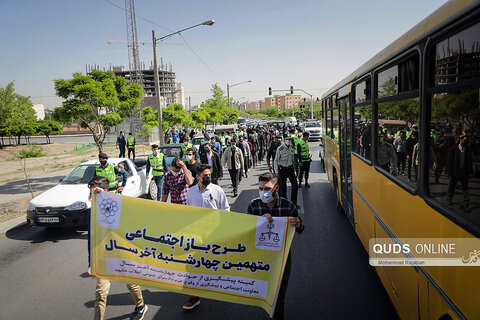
310	44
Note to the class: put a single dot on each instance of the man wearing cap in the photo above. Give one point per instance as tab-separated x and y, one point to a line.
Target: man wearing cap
111	172
156	161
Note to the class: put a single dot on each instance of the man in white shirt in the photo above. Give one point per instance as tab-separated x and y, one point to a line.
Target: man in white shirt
205	195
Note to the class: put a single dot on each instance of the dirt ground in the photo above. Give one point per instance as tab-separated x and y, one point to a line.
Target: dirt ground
59	156
13	210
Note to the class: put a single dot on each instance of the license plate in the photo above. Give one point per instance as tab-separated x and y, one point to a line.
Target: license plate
49	220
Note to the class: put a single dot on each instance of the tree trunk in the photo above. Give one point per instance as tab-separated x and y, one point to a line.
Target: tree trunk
19	137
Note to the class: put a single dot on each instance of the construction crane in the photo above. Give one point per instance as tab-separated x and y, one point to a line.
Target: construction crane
132	43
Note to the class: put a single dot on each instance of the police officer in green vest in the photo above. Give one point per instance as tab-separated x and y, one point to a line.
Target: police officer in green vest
304	159
111	172
156	161
131	145
296	140
185	146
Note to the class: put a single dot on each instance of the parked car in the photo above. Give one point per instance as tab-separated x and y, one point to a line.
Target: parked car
67	203
170	151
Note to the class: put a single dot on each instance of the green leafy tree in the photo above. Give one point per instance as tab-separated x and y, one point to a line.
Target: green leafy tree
17	116
100	100
175	115
48	128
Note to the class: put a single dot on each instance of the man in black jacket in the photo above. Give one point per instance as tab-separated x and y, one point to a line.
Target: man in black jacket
212	158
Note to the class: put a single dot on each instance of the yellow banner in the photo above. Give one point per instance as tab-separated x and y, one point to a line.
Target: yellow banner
210	253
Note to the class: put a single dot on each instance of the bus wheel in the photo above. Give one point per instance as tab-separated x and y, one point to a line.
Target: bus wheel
337	194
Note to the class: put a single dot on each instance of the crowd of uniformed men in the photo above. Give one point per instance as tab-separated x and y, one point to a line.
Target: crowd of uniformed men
193	180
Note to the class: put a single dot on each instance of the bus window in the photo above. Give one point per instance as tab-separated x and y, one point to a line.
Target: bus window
329	123
457	57
454	166
399	150
362	91
363	131
388	82
335	124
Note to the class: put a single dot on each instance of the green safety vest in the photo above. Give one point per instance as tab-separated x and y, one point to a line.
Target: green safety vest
239	133
202	142
184	150
222	140
131	142
295	142
409	133
304	154
109	173
157	164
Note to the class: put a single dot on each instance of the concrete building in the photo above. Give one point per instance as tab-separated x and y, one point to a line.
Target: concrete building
288	101
39	111
255	106
304	103
180	94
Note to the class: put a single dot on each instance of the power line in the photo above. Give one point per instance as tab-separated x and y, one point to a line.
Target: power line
195	53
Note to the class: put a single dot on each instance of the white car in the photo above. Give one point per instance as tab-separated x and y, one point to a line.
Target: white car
67	203
314	128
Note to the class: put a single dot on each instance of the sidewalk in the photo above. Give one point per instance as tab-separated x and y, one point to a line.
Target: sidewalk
12	224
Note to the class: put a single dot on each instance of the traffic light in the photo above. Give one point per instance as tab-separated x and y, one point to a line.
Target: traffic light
269	91
291	89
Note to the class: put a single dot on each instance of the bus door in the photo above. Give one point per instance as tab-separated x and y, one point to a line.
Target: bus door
346	155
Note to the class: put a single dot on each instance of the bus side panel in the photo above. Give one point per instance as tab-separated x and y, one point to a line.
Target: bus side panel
437	307
423	297
364	217
409	216
400	283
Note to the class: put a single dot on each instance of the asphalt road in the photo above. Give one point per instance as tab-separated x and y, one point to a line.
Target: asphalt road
43	271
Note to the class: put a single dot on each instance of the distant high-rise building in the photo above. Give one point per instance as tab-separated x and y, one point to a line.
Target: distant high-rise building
180	94
39	111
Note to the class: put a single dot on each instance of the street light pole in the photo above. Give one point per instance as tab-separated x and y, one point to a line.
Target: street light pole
233	85
157	83
157	91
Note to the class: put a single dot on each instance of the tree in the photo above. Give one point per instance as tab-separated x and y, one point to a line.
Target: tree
173	115
17	116
100	100
48	128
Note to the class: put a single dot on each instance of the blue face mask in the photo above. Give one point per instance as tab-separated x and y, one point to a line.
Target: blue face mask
266	196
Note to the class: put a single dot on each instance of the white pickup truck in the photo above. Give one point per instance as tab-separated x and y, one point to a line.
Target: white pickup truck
67	203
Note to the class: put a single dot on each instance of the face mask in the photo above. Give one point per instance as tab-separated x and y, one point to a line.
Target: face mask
380	139
189	158
206	181
300	135
287	143
155	152
103	162
175	174
266	196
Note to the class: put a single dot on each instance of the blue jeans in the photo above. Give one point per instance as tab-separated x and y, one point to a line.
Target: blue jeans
159	182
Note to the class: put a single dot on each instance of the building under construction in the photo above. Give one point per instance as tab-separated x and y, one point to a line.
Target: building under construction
166	77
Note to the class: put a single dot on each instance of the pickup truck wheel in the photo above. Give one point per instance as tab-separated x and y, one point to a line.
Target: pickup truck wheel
152	190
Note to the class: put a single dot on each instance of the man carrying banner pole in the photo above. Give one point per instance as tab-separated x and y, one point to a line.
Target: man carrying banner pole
205	195
98	184
269	205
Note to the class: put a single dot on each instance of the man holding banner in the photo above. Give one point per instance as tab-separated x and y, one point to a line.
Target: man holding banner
269	205
98	184
200	250
205	195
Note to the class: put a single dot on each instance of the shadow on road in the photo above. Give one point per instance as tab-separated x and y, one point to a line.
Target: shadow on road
38	184
45	234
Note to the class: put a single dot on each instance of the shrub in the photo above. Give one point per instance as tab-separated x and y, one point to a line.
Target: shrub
33	151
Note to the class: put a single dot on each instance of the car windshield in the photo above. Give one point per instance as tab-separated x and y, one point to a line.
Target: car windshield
171	152
80	175
312	124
